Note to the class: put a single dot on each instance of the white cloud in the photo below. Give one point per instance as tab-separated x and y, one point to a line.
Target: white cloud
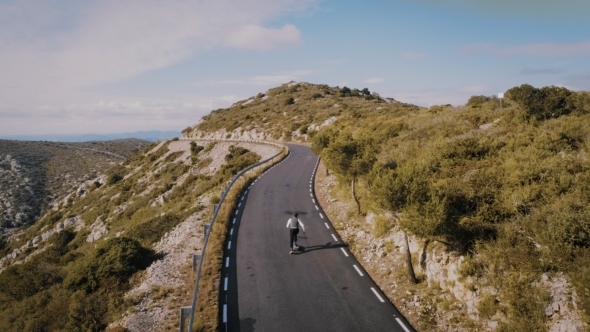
111	116
374	80
260	38
414	55
50	52
270	80
540	49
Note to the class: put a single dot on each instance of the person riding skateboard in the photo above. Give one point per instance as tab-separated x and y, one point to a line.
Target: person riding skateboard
293	224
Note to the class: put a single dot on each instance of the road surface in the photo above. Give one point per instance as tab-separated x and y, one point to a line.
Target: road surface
322	288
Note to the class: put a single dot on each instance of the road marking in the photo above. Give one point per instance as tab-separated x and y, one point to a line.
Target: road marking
227	262
225	313
313	200
309	189
231	231
317	208
234	221
344	251
229	245
359	271
311	195
378	296
236	212
399	321
242	198
334	236
328	227
225	284
321	215
239	204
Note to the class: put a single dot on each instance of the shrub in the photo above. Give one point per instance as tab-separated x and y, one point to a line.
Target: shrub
116	259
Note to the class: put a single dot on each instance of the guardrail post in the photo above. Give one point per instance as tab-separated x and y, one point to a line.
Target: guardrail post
216	206
195	259
184	313
207	228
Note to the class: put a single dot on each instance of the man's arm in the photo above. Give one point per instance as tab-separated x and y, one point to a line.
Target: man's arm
302	225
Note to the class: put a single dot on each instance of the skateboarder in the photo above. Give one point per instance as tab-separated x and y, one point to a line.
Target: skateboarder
293	225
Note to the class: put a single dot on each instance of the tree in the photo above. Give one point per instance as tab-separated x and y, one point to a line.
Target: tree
350	158
545	103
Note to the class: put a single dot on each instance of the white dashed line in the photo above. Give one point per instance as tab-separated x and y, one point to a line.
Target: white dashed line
311	195
328	227
378	296
321	215
399	321
344	252
231	231
229	245
236	212
359	271
334	236
313	200
242	198
309	189
225	313
316	207
227	262
225	284
233	222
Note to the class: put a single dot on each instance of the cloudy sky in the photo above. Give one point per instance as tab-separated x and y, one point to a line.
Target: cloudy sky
74	67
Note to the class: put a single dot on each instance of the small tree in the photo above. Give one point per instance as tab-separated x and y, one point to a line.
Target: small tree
350	158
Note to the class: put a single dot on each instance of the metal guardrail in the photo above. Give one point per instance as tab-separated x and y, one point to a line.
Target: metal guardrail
185	310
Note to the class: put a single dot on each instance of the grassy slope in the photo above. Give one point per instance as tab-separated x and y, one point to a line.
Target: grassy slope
513	190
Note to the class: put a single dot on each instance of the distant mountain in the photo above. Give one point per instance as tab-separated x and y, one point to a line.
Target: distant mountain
150	135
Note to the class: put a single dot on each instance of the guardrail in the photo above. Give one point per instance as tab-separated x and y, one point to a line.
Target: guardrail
191	309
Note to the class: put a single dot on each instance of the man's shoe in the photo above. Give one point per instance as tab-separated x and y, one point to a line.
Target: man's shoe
290	252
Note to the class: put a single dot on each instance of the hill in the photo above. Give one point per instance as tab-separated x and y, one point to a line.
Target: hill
483	205
118	252
36	175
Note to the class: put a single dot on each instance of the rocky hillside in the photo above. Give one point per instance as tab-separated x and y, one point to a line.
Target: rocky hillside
37	175
470	218
118	255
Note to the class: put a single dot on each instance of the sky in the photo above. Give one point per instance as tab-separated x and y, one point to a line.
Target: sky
75	67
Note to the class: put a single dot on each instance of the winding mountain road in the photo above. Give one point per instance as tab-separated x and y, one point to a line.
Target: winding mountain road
322	288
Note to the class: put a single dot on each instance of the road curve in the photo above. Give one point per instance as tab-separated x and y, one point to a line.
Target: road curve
323	288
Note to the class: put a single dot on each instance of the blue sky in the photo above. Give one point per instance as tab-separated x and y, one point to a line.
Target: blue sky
74	67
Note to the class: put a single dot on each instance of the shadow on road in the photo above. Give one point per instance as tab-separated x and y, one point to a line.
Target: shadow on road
247	324
328	245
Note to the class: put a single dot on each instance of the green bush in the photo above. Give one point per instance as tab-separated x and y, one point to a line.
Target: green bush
114	262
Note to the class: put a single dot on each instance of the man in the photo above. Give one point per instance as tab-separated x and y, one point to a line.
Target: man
293	225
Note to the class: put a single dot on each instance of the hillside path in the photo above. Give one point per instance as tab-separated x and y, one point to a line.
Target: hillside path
321	288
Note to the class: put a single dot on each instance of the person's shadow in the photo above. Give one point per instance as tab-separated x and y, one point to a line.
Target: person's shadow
329	245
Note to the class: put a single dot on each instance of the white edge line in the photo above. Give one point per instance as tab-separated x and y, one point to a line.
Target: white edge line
225	313
377	294
225	284
344	251
399	321
316	207
236	212
358	271
328	227
313	200
321	215
335	239
227	262
233	222
229	245
231	231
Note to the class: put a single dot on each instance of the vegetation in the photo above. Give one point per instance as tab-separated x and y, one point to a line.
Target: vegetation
508	187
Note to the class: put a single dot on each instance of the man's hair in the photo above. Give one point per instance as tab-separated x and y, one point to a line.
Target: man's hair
295	215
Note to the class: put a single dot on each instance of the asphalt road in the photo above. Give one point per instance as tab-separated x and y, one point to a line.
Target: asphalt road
321	288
